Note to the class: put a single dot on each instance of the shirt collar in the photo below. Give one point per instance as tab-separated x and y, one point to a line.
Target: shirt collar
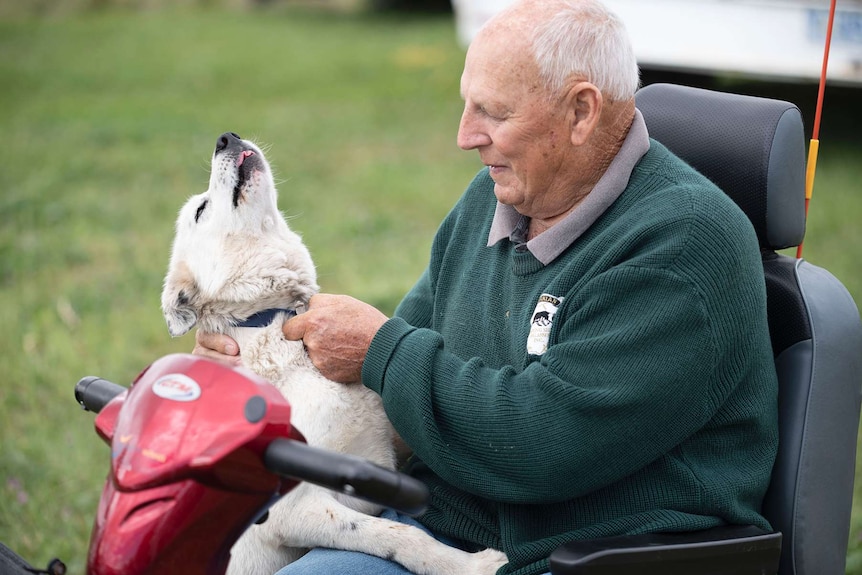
548	245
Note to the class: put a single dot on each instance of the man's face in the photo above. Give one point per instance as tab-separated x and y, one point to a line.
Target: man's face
520	135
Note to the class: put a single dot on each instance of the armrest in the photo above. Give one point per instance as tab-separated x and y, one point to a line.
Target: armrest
725	550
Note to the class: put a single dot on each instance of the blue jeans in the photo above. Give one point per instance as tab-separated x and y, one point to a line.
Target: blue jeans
335	562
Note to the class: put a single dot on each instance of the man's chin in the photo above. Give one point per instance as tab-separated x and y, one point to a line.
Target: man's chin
505	194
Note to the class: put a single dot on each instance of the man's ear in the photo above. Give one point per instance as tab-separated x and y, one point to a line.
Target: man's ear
178	297
585	108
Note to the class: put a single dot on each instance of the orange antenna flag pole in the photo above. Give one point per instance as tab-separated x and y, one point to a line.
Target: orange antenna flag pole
814	145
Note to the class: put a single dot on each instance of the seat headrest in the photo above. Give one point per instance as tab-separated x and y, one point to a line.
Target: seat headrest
752	148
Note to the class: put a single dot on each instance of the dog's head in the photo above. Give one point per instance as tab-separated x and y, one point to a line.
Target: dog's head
233	253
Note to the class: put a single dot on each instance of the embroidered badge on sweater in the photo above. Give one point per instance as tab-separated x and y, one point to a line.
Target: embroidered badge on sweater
540	323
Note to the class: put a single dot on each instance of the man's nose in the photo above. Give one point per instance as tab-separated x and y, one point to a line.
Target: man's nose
470	133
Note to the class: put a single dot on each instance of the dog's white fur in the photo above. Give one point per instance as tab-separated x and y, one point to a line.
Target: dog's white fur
233	256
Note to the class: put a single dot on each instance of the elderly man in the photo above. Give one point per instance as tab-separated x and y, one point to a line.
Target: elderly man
587	352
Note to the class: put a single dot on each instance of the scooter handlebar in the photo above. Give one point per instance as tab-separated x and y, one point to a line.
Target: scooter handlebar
338	471
94	393
347	474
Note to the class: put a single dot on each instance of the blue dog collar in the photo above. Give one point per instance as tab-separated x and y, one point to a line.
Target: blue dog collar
265	317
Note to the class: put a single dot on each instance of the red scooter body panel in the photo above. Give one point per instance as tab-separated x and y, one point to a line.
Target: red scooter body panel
186	466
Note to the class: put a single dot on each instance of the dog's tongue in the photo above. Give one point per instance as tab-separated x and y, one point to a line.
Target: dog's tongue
241	158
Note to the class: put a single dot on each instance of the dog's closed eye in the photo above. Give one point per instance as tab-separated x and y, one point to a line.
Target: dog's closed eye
200	210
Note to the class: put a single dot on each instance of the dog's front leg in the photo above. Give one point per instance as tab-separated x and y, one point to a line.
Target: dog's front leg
258	552
319	520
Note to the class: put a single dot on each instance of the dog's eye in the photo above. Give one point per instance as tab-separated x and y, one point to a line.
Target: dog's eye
201	209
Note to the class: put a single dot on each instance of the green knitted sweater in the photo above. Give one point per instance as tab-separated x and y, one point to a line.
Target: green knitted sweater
654	406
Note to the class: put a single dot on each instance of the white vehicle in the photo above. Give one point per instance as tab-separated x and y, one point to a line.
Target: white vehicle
771	39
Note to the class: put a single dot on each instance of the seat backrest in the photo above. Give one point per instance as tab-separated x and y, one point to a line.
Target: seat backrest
754	149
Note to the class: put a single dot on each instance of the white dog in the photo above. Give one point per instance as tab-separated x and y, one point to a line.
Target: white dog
235	260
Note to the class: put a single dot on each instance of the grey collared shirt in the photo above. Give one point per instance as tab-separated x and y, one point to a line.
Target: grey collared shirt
508	223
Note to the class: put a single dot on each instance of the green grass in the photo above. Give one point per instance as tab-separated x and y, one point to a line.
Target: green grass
109	120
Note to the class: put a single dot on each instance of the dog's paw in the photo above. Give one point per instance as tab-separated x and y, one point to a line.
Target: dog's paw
487	562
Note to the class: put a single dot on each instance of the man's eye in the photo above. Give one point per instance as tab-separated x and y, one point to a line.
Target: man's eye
493	115
200	210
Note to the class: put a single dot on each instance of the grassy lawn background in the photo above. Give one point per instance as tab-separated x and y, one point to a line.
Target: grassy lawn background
109	122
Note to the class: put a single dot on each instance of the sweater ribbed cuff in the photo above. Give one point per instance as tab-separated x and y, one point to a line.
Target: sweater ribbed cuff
380	351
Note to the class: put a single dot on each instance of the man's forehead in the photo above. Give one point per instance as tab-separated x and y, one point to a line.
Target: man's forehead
493	63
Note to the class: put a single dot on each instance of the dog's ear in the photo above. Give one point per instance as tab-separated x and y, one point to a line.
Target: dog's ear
178	300
180	316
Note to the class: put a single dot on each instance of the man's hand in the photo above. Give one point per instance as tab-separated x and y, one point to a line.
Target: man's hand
337	331
217	346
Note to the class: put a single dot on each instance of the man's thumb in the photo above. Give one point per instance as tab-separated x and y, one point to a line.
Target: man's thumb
294	328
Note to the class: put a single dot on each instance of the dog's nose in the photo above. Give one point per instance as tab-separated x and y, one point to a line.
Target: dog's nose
226	140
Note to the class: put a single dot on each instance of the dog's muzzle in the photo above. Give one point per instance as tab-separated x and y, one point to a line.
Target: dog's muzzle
231	143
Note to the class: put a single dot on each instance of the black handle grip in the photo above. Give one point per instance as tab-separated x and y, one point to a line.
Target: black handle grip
94	393
348	474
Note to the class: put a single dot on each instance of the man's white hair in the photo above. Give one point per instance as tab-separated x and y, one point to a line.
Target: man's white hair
586	39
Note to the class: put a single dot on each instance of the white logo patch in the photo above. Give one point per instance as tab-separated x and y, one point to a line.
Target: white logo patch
177	387
540	323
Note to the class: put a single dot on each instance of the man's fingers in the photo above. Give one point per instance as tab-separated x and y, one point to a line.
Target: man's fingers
217	342
218	347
